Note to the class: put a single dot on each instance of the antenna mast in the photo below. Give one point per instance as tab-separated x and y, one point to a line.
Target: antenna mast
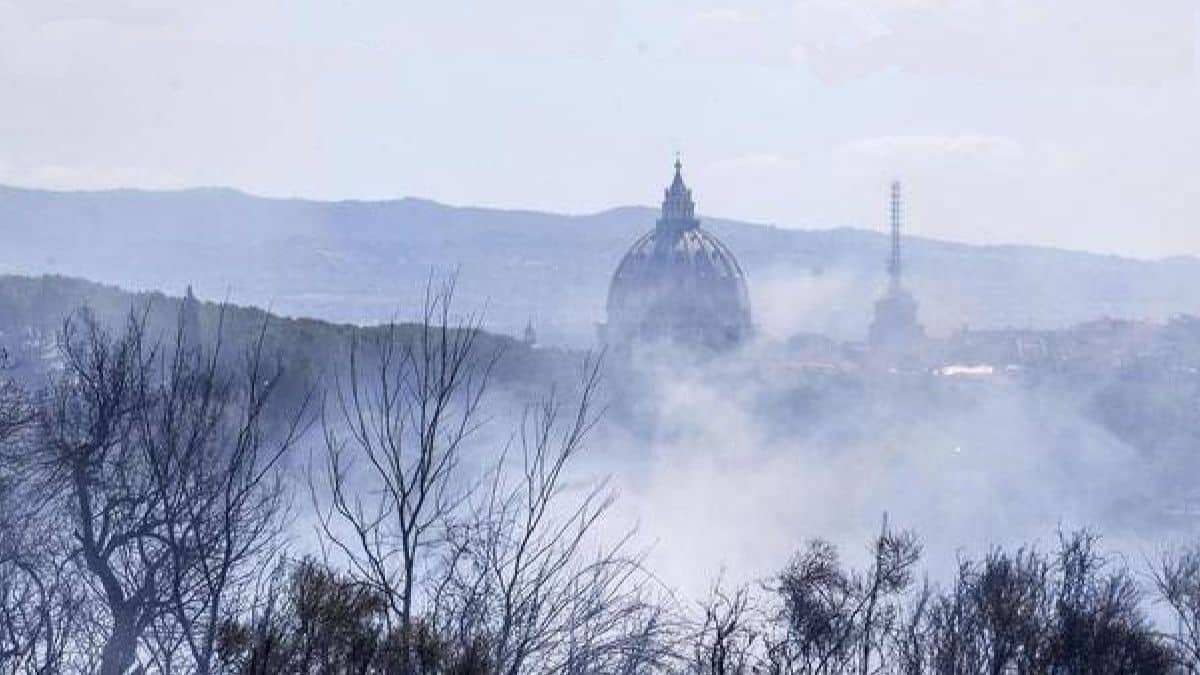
894	261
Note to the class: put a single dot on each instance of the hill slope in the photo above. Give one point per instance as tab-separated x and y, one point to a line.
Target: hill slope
311	352
368	261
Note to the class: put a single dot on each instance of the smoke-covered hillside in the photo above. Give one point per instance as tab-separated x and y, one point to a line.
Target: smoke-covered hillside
364	261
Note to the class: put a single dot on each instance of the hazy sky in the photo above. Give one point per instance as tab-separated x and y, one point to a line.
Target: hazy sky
1066	122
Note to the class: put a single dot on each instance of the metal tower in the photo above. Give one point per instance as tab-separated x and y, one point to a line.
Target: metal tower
894	260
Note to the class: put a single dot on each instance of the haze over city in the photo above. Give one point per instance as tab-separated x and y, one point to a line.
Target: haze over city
802	337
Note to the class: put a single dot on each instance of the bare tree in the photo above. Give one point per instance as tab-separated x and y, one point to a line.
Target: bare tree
17	411
213	452
836	619
894	554
725	640
39	604
502	567
1100	626
89	459
909	649
163	468
1027	612
41	608
403	420
1177	581
522	574
818	602
945	640
995	618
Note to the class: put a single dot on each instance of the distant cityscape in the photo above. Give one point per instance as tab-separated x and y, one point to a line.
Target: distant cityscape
679	285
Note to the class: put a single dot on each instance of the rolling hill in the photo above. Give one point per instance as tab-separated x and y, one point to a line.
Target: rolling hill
365	262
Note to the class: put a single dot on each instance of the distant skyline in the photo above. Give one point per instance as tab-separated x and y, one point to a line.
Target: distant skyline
1073	123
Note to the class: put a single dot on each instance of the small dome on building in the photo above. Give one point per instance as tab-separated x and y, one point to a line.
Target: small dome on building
678	283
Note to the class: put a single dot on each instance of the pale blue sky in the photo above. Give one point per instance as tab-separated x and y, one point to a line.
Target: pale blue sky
1067	122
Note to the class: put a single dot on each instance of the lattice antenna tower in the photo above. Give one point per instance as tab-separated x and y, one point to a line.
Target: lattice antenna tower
895	260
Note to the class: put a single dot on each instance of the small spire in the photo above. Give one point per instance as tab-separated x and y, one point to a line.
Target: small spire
678	163
189	320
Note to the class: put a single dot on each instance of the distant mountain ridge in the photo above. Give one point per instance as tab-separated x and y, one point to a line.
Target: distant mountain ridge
367	261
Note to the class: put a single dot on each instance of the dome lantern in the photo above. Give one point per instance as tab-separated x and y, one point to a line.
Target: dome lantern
678	209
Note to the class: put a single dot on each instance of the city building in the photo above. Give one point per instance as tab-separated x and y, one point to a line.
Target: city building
678	284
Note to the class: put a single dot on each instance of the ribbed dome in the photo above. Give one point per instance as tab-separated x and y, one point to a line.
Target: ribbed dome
678	283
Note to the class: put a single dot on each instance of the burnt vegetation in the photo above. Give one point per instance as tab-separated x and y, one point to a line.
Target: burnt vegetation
165	507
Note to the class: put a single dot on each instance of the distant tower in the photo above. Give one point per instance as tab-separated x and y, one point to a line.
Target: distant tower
530	336
895	265
189	320
895	334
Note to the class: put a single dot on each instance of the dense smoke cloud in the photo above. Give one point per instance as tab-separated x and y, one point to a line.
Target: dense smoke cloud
733	463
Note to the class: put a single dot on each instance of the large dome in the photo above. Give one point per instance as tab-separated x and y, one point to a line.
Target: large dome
678	283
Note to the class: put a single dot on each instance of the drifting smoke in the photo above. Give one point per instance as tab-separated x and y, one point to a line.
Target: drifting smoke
728	465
